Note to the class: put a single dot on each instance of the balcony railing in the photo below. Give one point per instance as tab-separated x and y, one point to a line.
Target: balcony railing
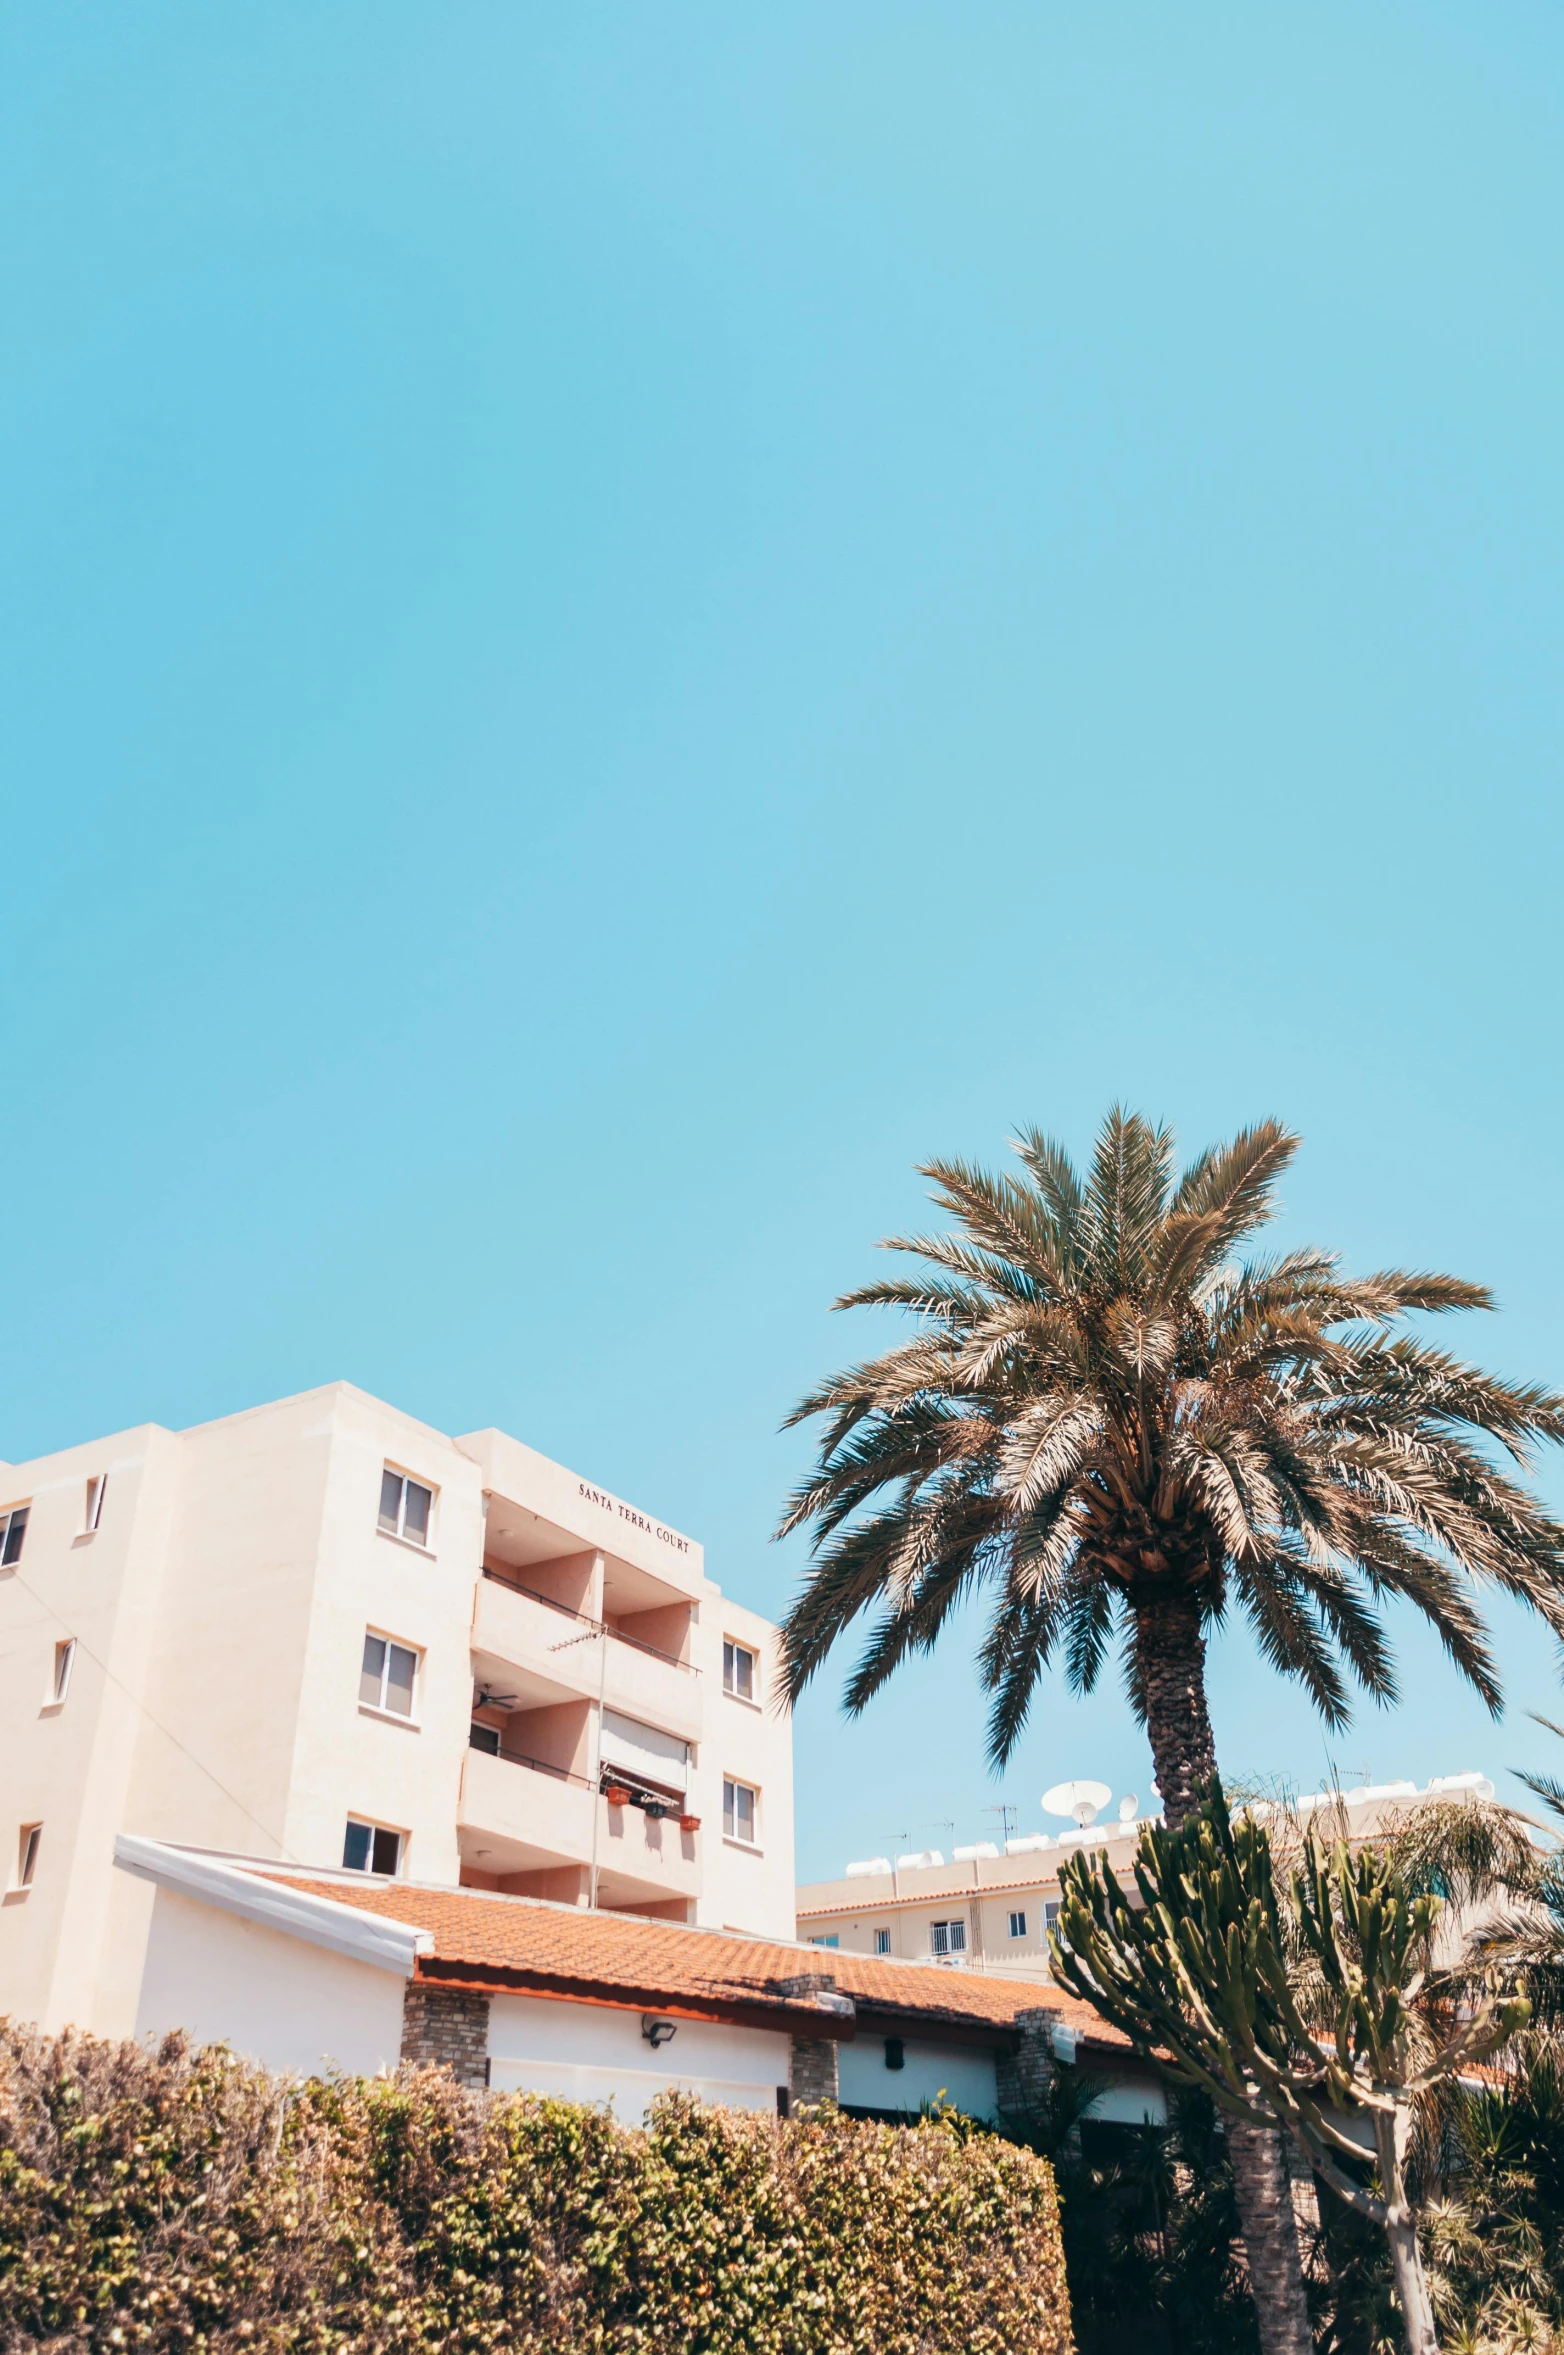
496	1749
599	1626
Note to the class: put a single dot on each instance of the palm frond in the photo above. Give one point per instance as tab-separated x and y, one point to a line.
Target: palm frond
1100	1411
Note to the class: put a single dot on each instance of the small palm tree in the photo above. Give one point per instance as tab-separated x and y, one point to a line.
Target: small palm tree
1119	1435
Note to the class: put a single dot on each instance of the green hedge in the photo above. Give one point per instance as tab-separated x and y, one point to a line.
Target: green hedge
179	2200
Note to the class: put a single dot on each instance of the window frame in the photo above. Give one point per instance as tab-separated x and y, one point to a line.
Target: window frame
97	1489
377	1832
29	1839
13	1527
64	1666
735	1784
882	1942
1017	1916
398	1531
732	1651
948	1936
382	1707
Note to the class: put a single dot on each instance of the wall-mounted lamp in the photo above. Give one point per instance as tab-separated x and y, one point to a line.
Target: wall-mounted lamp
657	2032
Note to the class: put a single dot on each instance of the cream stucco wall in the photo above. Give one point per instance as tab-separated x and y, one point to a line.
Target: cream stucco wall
290	2005
964	2078
220	1610
593	2053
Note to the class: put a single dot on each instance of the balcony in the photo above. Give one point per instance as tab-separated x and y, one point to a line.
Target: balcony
518	1628
520	1816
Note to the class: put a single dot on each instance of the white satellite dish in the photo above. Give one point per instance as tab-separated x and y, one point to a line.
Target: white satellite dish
1128	1806
1082	1800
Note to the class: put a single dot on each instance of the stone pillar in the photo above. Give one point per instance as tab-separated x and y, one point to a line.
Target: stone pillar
1025	2078
812	2074
448	2028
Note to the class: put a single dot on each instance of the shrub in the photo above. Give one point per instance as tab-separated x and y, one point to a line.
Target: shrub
178	2200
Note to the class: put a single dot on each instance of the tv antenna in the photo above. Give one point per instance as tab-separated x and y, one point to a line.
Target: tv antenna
1007	1817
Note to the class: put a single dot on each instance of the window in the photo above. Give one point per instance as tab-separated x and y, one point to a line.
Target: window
740	1806
370	1848
833	1940
947	1937
64	1656
27	1854
13	1528
484	1737
405	1507
387	1678
1018	1925
738	1670
96	1487
882	1942
1051	1914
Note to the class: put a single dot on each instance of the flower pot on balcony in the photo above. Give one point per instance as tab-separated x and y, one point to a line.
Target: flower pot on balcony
617	1795
689	1823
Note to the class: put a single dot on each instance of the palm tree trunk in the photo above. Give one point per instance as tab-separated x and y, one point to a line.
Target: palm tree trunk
1264	2188
1170	1655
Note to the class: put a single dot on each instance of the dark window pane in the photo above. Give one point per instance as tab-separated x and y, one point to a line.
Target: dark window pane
727	1666
355	1848
958	1937
939	1938
728	1810
416	1520
744	1679
386	1846
372	1671
14	1535
390	1500
399	1680
485	1737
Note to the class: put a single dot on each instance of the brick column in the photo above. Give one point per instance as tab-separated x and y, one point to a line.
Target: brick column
812	2074
447	2027
1025	2078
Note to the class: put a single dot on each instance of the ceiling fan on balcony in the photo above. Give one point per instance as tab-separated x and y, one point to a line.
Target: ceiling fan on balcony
484	1698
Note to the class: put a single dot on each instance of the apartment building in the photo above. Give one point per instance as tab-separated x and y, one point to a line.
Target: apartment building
321	1633
990	1910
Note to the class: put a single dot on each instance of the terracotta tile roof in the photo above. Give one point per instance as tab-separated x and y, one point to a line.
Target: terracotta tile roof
533	1946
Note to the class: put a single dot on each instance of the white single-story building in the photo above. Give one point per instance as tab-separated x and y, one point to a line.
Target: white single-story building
310	1972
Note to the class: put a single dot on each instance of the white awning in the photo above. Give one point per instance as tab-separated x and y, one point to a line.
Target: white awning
638	1749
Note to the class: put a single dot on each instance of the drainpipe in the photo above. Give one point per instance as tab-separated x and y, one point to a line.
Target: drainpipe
597	1760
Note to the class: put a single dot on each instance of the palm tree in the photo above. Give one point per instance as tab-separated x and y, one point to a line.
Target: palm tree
1117	1433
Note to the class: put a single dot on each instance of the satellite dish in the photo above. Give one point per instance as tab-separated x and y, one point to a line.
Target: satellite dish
1128	1807
1082	1800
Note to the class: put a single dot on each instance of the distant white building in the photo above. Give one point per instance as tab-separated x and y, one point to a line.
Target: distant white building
990	1910
321	1633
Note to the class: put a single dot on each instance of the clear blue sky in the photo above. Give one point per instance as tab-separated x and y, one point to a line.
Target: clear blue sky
619	621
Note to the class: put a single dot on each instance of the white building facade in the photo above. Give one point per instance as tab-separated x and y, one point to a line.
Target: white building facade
991	1911
321	1632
